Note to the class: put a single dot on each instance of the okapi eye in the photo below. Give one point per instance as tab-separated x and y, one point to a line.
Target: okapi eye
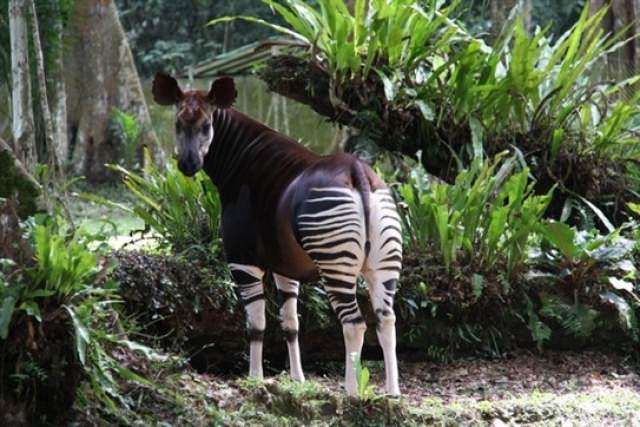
205	128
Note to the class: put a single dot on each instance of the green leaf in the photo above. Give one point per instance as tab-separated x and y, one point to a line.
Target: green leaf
32	309
477	284
129	375
477	137
38	293
390	87
625	312
6	313
556	142
148	352
254	20
562	237
603	218
621	284
426	110
634	207
363	382
83	336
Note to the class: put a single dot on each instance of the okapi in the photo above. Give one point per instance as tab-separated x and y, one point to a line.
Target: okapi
297	215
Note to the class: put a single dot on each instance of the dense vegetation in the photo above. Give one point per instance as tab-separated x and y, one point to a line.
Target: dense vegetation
412	80
514	162
162	43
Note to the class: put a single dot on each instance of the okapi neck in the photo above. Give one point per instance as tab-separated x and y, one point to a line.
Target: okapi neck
244	152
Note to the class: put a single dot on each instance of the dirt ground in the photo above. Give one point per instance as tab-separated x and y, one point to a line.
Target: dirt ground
522	374
548	389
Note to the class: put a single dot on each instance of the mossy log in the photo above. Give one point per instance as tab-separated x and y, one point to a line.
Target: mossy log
362	105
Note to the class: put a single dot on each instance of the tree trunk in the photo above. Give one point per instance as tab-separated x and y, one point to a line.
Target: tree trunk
101	76
22	126
527	15
17	185
59	98
42	89
622	14
500	10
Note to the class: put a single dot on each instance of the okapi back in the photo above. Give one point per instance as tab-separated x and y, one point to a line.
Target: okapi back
246	153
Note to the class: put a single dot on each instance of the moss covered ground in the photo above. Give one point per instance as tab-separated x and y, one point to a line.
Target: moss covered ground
525	389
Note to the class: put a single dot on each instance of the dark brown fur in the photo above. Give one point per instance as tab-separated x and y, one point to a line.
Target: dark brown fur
262	176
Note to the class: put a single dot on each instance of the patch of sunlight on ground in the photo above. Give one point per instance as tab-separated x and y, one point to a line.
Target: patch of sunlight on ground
121	229
123	232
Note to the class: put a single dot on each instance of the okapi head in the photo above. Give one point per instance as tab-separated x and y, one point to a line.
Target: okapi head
194	110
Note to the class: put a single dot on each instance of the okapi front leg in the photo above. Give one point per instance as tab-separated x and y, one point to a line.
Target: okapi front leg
250	289
289	320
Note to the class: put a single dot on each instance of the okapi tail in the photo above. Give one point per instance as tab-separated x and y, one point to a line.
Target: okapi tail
361	183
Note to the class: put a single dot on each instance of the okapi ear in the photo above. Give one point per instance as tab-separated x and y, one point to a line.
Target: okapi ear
223	92
166	90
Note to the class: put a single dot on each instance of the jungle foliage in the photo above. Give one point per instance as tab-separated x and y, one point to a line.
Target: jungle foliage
518	132
519	280
481	262
184	212
162	42
411	78
58	324
486	213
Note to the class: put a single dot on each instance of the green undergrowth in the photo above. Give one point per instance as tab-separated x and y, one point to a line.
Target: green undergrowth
483	272
411	78
187	398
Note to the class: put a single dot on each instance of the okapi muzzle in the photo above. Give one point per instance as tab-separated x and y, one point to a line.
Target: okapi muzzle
193	141
294	215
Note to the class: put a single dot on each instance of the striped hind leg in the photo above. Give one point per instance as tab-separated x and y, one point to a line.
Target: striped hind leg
331	226
250	289
382	271
345	305
288	288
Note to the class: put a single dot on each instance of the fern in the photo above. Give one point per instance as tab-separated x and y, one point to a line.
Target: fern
576	319
540	331
183	211
439	354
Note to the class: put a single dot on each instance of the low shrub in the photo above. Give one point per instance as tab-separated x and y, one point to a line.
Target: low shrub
486	217
184	212
586	285
184	305
58	325
484	272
